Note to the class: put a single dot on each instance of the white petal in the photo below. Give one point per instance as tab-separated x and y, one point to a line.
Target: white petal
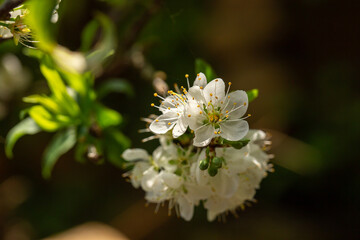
234	130
238	100
196	94
197	192
161	124
135	154
138	172
224	184
215	91
172	180
186	208
148	180
255	135
169	102
196	118
180	127
203	136
200	80
5	32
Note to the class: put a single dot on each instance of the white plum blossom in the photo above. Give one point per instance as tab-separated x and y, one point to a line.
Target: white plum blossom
172	174
174	108
164	176
238	179
234	157
212	112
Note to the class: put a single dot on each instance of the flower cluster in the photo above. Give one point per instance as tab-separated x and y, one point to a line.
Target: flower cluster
208	132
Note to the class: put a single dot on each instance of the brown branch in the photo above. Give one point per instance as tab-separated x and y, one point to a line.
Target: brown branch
7	6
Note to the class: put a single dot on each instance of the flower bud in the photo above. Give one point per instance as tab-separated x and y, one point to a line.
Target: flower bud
217	162
204	164
212	171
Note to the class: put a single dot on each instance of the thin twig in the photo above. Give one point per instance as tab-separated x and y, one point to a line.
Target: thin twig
7	6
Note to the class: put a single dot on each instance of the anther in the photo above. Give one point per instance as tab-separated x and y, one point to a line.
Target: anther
156	120
230	83
169	123
152	104
155	94
186	75
189	115
211	94
200	112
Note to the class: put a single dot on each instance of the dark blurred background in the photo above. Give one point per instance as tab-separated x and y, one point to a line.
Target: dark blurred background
302	55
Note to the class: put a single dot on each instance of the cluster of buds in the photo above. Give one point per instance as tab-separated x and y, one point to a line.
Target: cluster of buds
207	152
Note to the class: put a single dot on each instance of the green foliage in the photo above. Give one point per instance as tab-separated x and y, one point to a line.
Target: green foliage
25	127
204	67
252	94
61	143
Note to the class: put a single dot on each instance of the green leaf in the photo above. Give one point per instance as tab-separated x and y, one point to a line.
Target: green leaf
40	13
105	47
204	67
252	94
115	85
88	34
107	117
236	144
58	88
25	127
47	102
48	121
59	145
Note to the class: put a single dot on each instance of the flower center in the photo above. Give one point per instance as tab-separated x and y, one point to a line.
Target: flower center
214	116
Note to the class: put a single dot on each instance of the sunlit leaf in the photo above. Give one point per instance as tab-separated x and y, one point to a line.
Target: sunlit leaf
204	67
45	101
25	127
46	120
115	85
60	144
59	90
252	94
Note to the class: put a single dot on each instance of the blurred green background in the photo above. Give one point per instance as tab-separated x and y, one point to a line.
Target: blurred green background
302	55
